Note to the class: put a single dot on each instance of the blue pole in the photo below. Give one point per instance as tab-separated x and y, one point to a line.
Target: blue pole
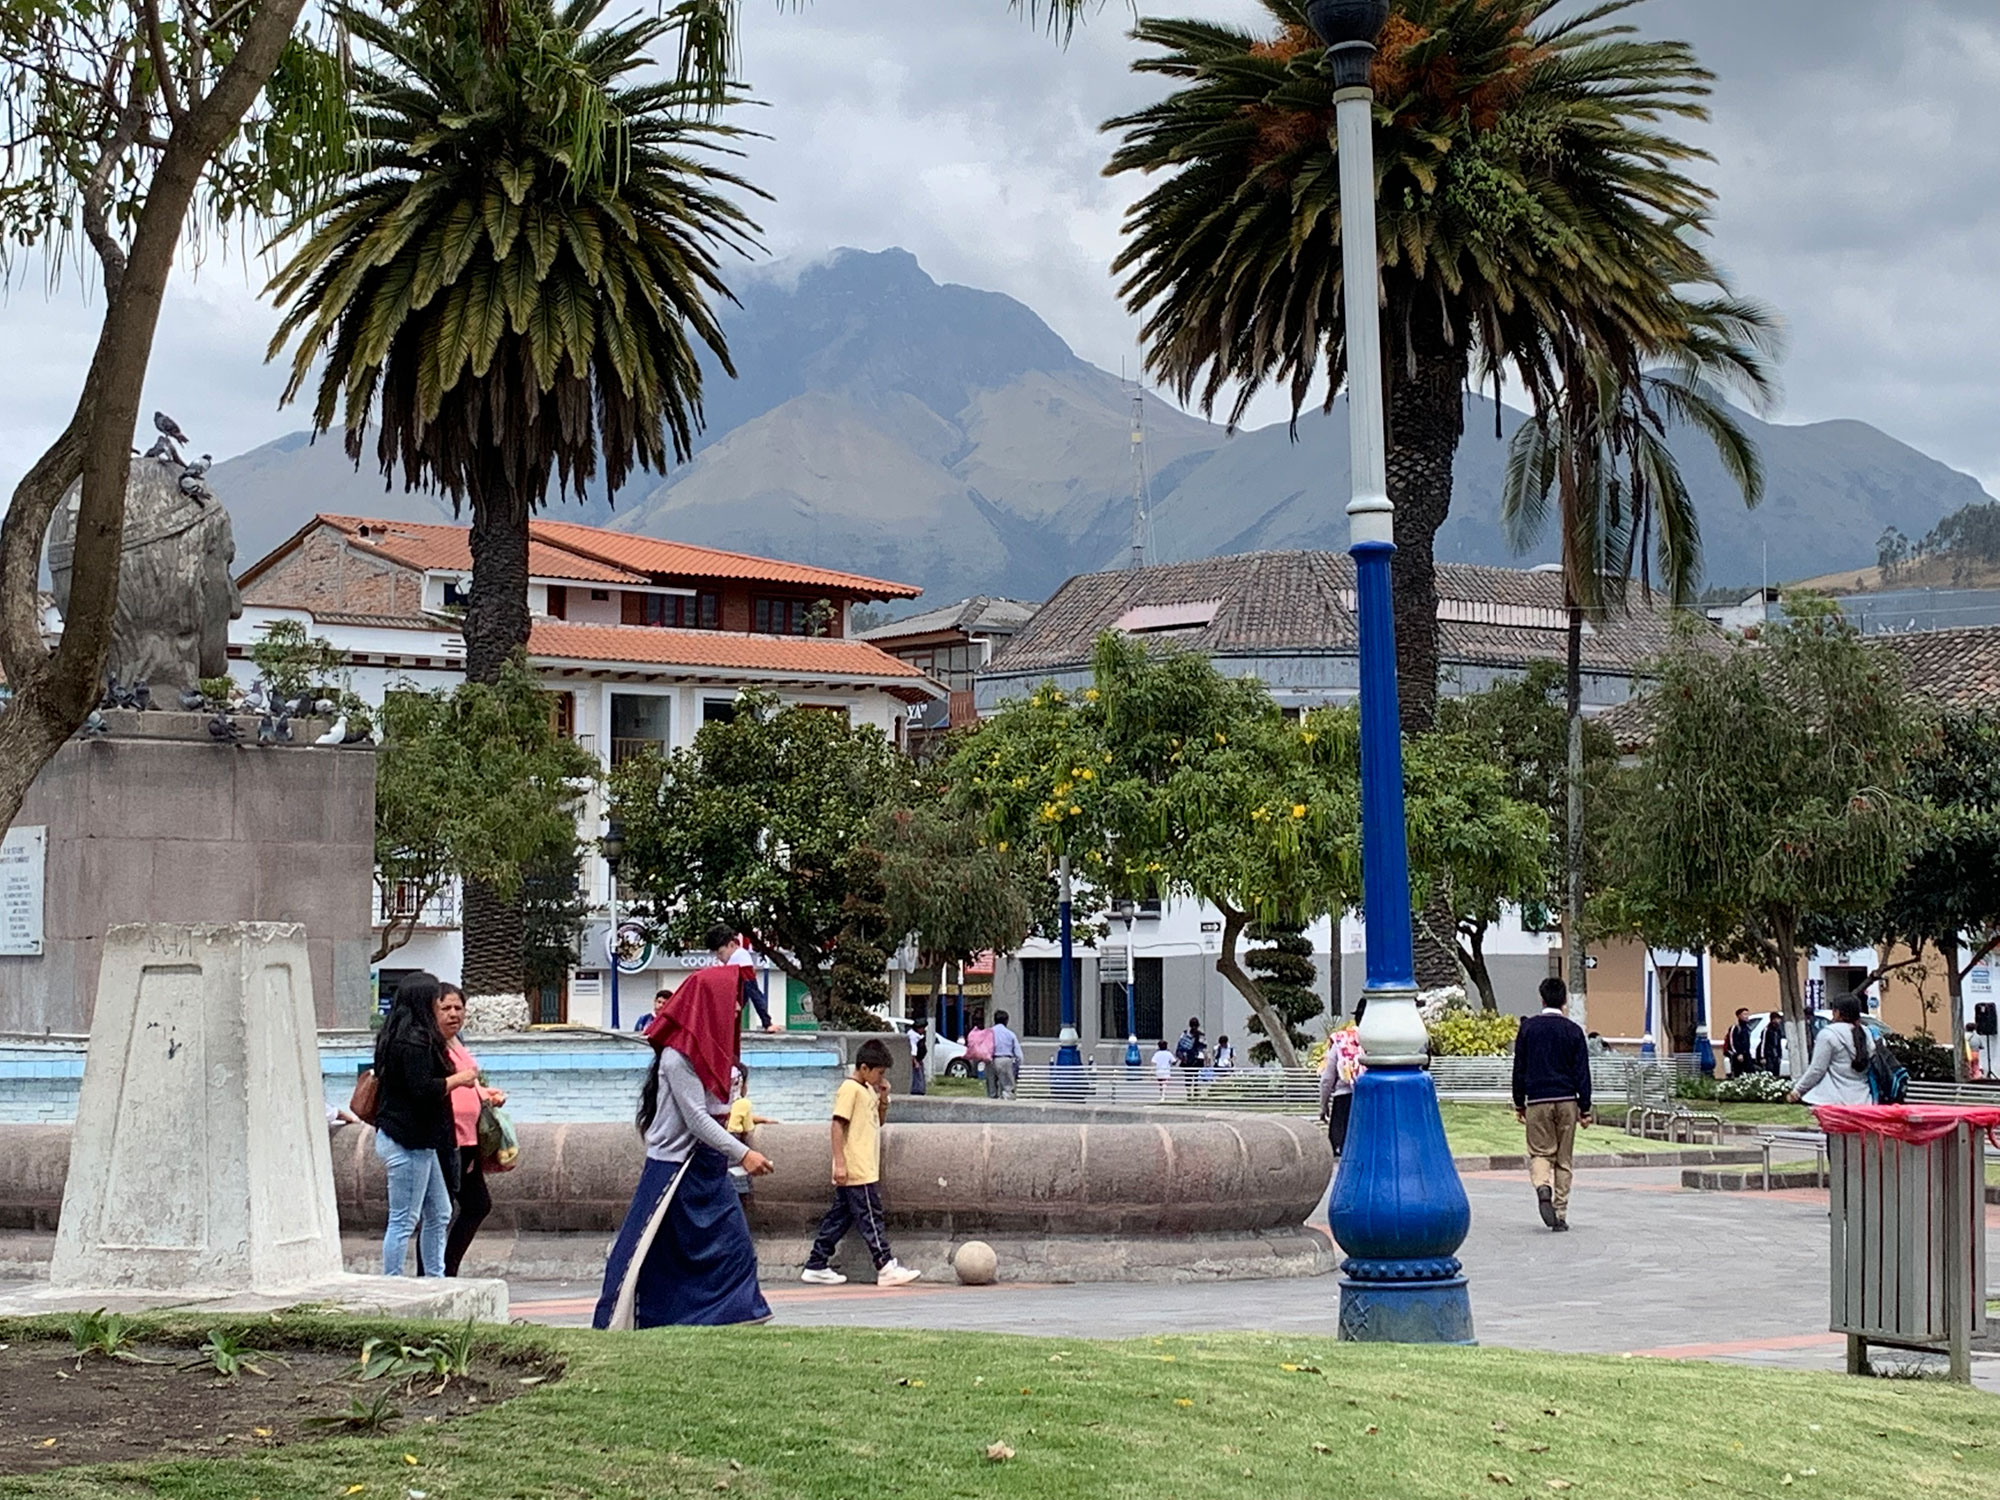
1398	1211
1068	1054
1131	994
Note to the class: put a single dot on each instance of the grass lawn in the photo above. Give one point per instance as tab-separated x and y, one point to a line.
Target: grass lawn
1492	1130
1784	1116
824	1414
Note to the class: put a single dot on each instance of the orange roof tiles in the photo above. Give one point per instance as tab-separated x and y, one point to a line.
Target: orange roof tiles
419	544
683	559
644	645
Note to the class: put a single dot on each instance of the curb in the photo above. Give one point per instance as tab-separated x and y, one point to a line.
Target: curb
1717	1156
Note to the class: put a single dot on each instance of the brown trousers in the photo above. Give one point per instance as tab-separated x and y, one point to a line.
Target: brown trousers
1551	1145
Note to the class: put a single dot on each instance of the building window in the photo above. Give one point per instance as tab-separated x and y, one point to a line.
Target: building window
682	611
780	616
1041	997
639	725
600	596
1149	1001
457	594
718	710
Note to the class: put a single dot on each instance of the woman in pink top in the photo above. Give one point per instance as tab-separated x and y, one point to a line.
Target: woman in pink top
471	1201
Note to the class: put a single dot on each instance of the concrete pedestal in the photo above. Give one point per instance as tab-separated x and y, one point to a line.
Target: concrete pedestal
199	1169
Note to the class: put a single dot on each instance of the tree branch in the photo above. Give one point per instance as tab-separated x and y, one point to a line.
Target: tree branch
156	45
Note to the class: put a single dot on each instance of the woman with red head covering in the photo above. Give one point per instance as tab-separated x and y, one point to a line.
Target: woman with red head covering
684	1254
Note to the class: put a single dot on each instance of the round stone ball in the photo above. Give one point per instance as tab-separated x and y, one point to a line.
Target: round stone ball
975	1263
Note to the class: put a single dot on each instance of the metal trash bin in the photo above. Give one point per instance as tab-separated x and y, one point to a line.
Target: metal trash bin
1908	1226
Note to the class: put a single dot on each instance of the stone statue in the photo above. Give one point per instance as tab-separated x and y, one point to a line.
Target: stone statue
176	595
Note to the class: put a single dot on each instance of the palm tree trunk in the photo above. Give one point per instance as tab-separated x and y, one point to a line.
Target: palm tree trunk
1579	966
1426	420
494	929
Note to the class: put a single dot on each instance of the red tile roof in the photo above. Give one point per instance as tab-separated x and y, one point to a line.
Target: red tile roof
645	645
651	555
448	549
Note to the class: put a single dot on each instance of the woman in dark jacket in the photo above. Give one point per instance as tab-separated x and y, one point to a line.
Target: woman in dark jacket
413	1123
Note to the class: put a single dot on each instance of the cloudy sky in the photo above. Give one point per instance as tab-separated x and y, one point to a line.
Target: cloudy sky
1857	147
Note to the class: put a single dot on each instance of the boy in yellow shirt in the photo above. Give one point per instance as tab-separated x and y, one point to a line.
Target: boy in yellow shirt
860	1106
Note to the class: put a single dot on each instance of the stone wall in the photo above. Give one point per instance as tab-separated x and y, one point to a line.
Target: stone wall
324	573
179	830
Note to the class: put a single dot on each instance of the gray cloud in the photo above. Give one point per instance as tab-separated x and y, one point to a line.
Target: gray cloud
1855	162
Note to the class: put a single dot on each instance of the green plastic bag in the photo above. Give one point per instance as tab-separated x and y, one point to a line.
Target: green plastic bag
499	1148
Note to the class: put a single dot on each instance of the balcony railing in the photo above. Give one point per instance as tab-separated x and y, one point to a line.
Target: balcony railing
623	750
398	901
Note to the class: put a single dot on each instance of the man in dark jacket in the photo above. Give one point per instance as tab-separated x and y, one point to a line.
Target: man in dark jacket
1740	1060
1551	1097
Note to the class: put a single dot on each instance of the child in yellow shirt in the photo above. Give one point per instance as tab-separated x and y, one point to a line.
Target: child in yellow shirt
860	1106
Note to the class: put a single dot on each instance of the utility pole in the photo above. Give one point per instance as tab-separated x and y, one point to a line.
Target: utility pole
1138	476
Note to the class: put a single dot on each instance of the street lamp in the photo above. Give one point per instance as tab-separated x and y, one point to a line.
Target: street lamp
612	847
1068	1054
1398	1210
1128	909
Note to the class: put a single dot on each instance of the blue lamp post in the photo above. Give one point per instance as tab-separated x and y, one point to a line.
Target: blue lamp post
1129	910
1068	1054
612	847
1398	1210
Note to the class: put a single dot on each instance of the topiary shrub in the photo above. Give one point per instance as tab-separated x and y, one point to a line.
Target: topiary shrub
1284	973
1465	1033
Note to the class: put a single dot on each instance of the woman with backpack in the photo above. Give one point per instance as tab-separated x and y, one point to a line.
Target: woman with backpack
1838	1073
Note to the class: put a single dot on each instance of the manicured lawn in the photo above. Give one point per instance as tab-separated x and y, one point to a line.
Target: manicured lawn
955	1088
824	1414
1492	1130
1784	1116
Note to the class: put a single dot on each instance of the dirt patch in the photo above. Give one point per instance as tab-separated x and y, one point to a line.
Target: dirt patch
56	1411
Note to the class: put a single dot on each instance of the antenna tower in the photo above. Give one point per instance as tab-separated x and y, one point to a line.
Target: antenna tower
1140	521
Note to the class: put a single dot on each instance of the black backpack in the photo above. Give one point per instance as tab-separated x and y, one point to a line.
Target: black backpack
1888	1080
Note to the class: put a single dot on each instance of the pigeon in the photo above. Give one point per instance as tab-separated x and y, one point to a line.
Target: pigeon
302	708
191	486
142	696
193	700
256	700
120	696
200	467
94	727
111	691
161	450
267	731
222	729
284	727
167	427
323	706
336	735
358	736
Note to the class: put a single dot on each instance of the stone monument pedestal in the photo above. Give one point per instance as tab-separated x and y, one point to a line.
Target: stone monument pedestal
200	1171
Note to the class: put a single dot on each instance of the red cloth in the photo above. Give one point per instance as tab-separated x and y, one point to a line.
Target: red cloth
1916	1124
703	1023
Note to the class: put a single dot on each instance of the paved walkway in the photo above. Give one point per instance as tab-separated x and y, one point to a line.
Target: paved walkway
1647	1268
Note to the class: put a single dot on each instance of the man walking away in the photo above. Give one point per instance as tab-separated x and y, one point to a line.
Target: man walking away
1773	1058
1006	1062
1740	1060
1551	1097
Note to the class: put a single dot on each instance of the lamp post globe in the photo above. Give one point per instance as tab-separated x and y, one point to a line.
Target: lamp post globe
1398	1211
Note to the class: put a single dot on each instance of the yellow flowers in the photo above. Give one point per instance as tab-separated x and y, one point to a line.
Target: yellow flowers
1091	695
1298	809
1003	846
1074	809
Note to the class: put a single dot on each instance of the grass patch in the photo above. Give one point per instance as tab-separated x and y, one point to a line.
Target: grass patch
824	1414
955	1088
1781	1116
1492	1130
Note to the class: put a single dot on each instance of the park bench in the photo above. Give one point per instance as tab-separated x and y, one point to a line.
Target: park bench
1651	1108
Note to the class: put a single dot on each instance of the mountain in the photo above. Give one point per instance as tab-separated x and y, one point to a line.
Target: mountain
887	423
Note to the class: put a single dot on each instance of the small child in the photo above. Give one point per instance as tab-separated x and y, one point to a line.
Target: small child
1163	1067
860	1106
743	1118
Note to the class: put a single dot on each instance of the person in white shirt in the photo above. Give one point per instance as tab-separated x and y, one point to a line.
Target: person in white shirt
1838	1073
730	949
1163	1067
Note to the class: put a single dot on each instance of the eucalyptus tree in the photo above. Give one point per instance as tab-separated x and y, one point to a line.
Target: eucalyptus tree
1530	182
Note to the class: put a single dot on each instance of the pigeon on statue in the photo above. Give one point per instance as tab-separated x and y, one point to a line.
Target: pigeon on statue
121	696
267	731
162	451
193	700
222	729
284	726
142	696
256	700
94	727
336	735
170	433
111	691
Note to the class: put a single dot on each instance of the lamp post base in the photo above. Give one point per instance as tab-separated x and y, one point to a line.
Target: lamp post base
1400	1213
1405	1312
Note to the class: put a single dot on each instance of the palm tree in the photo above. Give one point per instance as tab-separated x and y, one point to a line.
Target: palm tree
511	282
1526	190
1599	452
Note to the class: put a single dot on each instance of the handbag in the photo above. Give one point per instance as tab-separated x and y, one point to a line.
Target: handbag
365	1103
499	1147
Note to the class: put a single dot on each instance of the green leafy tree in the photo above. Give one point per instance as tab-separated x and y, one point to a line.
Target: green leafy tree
949	889
765	823
1165	777
1531	195
1284	973
511	284
292	661
1773	795
127	124
474	784
1947	891
1521	728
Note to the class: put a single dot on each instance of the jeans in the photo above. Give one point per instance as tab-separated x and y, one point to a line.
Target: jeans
416	1187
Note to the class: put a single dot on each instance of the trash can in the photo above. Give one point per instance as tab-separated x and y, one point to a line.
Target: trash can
1908	1225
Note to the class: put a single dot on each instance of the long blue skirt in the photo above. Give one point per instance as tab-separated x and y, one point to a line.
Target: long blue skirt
699	1267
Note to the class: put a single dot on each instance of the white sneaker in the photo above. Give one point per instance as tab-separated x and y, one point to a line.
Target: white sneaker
825	1276
896	1274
